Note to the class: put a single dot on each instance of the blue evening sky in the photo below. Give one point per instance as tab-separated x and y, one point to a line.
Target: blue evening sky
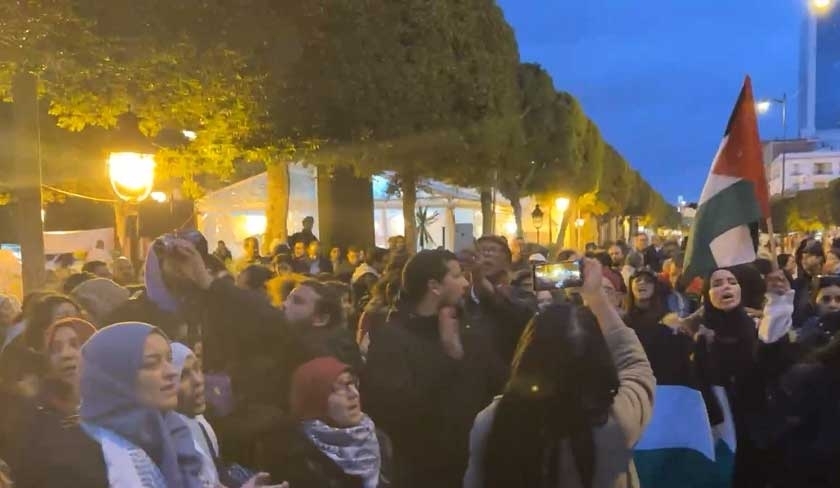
659	77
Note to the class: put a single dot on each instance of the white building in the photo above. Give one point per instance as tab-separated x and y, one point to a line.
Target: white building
803	171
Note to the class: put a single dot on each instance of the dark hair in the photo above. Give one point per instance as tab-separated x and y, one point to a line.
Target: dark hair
565	255
90	266
328	303
75	280
253	240
499	241
352	249
256	276
18	361
604	258
424	266
40	318
563	383
375	255
657	300
782	259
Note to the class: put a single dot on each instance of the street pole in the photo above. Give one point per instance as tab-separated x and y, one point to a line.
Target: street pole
784	138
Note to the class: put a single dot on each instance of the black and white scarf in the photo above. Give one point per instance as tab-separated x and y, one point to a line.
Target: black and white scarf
354	449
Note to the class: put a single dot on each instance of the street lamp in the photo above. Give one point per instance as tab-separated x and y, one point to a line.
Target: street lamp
762	107
820	7
131	161
537	220
131	167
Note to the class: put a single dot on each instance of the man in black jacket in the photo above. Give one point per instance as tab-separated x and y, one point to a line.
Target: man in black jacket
428	374
496	309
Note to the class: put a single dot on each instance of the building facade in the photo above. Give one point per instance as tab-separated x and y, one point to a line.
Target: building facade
803	171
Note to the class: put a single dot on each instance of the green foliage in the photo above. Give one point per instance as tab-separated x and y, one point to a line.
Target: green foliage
807	210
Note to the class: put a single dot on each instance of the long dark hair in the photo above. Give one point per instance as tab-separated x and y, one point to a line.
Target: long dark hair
40	316
562	384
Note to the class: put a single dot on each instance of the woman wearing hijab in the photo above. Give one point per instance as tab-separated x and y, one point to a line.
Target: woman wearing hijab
331	442
740	361
579	396
52	428
129	391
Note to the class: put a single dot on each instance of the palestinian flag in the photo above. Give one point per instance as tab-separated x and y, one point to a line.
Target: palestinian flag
734	198
679	447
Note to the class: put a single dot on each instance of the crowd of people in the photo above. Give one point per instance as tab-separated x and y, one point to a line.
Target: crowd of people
329	367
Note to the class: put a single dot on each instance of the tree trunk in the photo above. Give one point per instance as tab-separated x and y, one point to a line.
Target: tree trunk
30	227
277	204
486	212
564	225
408	184
517	214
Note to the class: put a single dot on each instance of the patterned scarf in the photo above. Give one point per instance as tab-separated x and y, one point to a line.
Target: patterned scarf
354	449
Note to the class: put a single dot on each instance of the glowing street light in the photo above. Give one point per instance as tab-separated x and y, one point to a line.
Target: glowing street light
158	196
189	134
821	6
131	161
562	204
762	106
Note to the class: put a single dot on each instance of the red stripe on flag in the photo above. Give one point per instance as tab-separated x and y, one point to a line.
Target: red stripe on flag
742	155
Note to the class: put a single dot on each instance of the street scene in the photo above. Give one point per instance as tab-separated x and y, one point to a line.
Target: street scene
419	243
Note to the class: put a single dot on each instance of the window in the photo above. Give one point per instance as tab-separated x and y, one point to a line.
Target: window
823	168
796	171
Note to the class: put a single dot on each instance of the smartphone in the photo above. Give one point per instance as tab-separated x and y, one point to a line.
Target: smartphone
553	276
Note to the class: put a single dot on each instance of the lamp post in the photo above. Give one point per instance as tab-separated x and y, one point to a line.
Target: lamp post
763	106
131	167
537	220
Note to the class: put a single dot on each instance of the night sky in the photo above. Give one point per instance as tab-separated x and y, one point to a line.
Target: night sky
659	77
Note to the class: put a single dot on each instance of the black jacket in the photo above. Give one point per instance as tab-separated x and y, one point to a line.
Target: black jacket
501	319
425	400
806	417
53	450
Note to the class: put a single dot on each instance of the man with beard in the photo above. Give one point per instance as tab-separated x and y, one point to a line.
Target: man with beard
497	310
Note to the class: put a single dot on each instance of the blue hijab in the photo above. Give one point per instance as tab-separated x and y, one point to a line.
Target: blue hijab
110	362
156	289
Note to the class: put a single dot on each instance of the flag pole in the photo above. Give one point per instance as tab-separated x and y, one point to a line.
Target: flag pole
775	261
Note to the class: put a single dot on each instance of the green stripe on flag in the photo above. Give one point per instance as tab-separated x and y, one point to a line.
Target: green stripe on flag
733	206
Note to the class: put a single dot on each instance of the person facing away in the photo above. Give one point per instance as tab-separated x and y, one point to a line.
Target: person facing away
579	396
428	374
329	440
306	236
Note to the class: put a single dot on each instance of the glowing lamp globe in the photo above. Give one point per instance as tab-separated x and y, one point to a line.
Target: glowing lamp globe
131	161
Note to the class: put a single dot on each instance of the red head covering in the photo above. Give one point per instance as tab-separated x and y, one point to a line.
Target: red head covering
614	278
312	384
83	329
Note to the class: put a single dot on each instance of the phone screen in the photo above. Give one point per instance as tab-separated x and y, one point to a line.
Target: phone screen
552	276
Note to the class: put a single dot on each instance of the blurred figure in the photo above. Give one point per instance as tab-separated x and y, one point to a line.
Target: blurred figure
300	261
100	298
48	310
255	278
317	263
98	253
346	268
396	244
97	268
124	274
335	258
222	253
616	257
305	236
251	247
519	261
10	310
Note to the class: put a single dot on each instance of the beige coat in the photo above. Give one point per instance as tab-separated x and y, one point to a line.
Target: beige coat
614	441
